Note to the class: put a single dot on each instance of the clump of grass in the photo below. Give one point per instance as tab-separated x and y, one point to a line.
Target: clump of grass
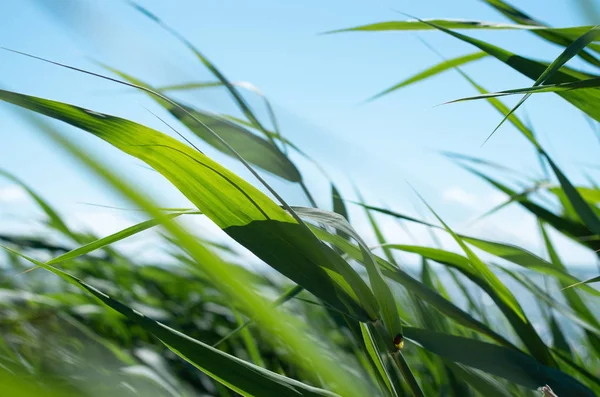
347	322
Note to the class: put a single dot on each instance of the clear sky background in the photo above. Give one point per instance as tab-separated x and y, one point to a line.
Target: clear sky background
318	84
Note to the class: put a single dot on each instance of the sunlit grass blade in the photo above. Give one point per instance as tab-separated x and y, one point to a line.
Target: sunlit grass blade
428	24
591	280
111	239
381	290
309	352
244	212
522	257
583	99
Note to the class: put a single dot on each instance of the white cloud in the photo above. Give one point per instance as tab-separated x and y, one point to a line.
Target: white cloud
486	201
459	195
12	194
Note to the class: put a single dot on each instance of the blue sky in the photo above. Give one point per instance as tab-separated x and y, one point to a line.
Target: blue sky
318	84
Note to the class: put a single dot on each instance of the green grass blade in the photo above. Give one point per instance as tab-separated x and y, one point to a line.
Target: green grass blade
432	71
593	83
581	207
497	360
553	35
481	267
376	358
591	280
113	238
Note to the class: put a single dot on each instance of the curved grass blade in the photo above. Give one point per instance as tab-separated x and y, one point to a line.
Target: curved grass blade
571	296
484	384
286	296
522	326
312	354
241	210
381	290
113	238
238	99
416	287
524	258
241	84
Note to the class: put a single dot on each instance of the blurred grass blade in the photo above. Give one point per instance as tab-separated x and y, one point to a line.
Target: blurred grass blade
559	340
113	238
241	84
483	383
572	229
339	207
313	355
524	258
240	376
286	296
54	218
432	71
